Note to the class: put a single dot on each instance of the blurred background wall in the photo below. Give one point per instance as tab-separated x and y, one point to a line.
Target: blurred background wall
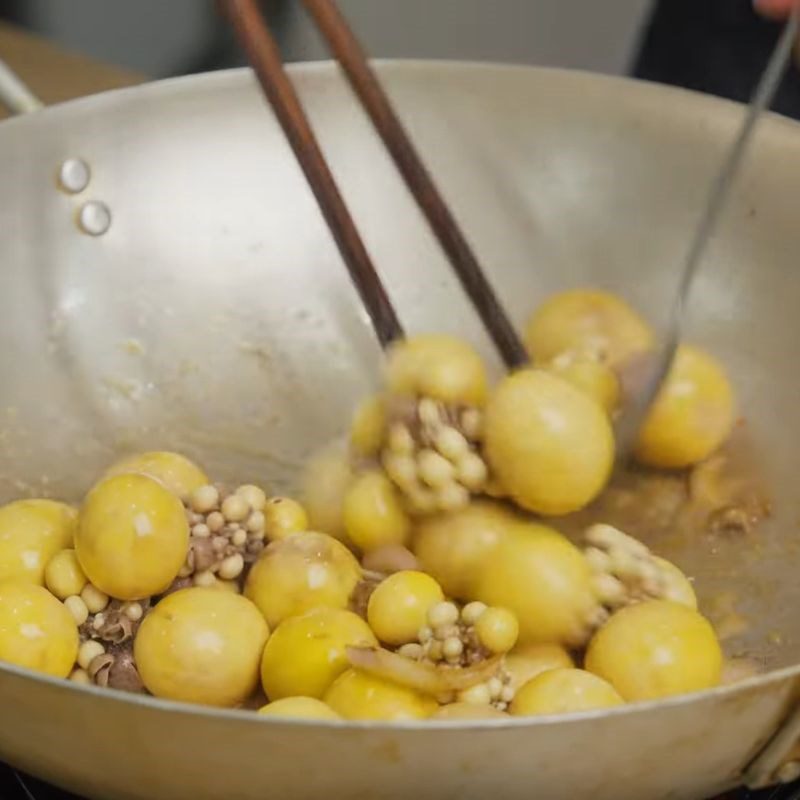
715	46
166	37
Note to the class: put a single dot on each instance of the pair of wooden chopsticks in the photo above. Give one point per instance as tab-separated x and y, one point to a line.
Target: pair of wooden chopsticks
264	55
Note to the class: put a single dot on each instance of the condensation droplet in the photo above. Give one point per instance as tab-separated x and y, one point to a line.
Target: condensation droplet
74	175
94	218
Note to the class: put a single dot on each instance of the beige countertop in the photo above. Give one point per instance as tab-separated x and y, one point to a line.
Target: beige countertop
54	74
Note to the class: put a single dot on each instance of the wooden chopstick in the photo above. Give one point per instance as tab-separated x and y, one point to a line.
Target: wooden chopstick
353	60
264	55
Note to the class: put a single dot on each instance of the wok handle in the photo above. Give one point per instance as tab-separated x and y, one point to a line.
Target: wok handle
14	94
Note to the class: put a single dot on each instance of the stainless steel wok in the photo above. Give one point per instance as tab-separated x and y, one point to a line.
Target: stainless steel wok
214	317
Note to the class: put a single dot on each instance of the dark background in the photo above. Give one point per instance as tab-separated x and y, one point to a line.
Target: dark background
714	46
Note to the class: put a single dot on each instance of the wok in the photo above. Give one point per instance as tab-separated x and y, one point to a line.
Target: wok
214	317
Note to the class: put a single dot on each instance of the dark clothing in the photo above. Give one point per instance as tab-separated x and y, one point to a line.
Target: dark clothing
715	46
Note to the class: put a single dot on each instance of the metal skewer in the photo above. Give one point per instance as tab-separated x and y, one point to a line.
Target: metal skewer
662	360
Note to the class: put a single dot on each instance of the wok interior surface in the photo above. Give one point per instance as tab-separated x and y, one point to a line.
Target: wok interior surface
215	317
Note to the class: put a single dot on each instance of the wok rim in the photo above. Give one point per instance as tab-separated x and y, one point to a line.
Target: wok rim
756	682
163	86
772	123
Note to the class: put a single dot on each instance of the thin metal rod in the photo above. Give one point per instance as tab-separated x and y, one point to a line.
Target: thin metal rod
663	359
264	55
353	60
